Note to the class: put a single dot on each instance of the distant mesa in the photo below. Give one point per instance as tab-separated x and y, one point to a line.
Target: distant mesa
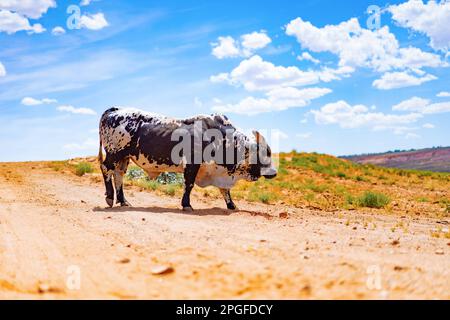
432	159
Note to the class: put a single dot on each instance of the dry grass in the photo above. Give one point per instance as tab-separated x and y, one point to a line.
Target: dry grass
324	182
316	181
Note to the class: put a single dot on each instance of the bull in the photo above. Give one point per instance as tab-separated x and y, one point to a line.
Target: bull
208	150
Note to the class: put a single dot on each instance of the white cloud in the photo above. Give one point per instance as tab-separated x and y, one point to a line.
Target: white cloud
256	74
88	144
228	47
347	116
85	2
428	126
56	31
305	135
303	121
359	47
93	21
432	19
308	57
254	41
33	9
441	107
71	109
29	101
395	80
12	22
423	106
2	70
443	94
412	104
278	99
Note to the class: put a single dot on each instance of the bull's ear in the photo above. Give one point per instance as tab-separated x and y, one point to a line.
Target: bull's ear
259	138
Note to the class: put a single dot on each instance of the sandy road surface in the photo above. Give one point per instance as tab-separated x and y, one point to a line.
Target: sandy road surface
54	225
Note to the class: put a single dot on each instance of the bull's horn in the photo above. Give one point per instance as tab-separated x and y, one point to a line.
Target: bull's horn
259	138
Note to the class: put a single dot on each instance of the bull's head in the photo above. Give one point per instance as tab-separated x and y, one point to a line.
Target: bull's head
260	159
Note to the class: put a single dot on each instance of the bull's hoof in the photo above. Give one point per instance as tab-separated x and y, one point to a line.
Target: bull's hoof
110	202
232	206
188	209
125	204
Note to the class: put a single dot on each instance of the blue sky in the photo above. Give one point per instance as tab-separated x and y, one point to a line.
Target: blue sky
313	70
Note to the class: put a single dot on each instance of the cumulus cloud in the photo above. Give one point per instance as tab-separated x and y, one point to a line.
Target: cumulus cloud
57	31
412	104
306	56
85	2
428	126
441	107
255	41
31	9
2	70
359	47
431	19
12	22
395	80
228	47
71	109
256	74
278	99
93	21
29	101
443	94
423	106
347	116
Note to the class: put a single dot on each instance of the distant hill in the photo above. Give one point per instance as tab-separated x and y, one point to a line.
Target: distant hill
432	159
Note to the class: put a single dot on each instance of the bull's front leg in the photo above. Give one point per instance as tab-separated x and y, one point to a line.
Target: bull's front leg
227	197
190	173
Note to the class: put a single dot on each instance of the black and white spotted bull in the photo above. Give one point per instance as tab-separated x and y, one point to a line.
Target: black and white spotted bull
207	149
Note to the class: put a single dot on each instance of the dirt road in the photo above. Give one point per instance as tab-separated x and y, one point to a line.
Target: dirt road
57	240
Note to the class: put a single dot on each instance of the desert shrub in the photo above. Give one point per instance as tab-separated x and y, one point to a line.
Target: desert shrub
361	179
135	173
170	178
82	168
170	189
150	184
264	197
373	200
341	175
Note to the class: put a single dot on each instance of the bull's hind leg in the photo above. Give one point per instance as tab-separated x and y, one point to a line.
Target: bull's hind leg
119	172
107	168
227	197
190	173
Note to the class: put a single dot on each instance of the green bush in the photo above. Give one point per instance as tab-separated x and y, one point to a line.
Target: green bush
264	198
170	189
135	173
82	168
373	200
